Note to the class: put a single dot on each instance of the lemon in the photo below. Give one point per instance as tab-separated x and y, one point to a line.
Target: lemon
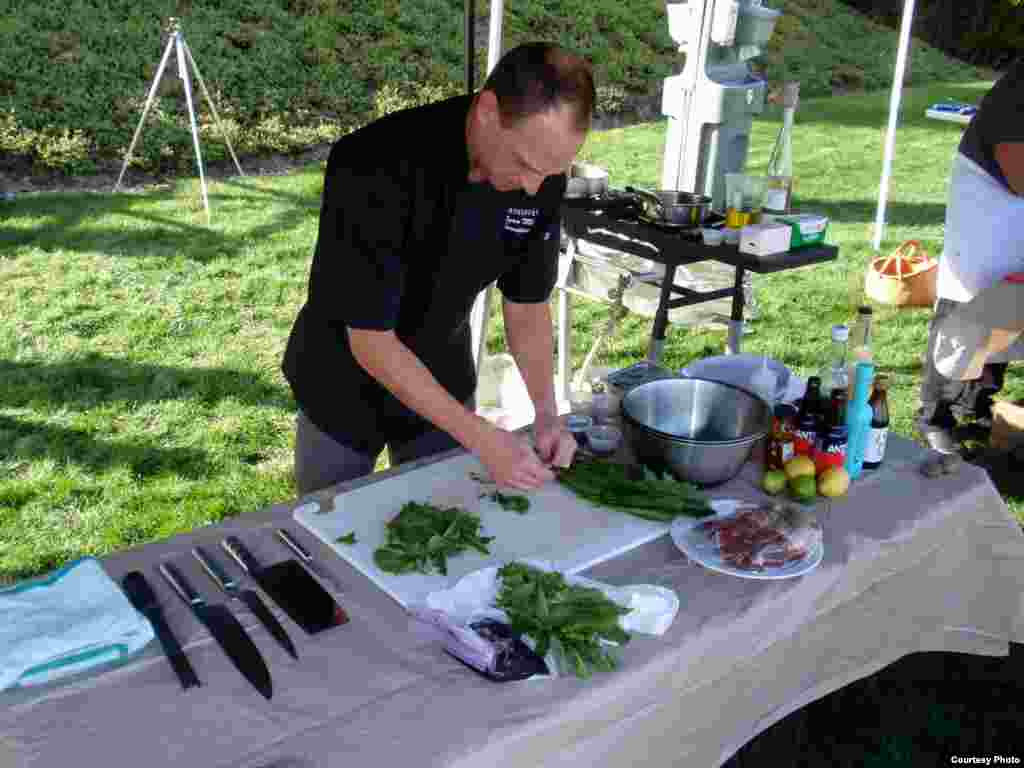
798	466
804	487
774	481
834	481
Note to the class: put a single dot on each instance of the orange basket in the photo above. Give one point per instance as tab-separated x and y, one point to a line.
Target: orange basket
904	278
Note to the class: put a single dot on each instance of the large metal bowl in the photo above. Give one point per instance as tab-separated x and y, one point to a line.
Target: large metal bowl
701	430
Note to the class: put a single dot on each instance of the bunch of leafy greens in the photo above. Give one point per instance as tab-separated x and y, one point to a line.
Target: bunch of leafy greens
635	490
422	536
567	619
512	501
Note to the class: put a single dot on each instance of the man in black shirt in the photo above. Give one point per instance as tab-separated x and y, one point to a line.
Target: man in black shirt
422	210
984	244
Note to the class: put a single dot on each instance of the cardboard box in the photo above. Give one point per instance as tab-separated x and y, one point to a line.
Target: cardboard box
765	239
808	228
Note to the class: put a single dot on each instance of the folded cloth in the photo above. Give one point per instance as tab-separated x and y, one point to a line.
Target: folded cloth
67	621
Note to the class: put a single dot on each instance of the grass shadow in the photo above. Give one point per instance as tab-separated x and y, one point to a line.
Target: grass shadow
863	211
95	380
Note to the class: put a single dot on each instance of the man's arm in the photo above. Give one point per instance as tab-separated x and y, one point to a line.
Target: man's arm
382	354
528	331
1010	156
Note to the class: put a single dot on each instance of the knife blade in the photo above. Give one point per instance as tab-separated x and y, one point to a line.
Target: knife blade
141	595
308	561
226	630
292	587
248	596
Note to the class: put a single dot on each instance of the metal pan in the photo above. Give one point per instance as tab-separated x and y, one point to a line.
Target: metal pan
672	207
586	180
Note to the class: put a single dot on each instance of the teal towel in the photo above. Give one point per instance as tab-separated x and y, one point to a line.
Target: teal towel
65	622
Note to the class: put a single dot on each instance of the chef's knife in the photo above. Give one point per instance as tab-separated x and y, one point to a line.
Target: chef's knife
141	595
248	596
308	560
226	630
303	598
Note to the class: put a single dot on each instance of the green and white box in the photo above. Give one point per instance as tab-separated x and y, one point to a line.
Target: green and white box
808	228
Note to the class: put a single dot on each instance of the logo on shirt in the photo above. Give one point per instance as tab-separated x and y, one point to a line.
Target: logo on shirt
520	220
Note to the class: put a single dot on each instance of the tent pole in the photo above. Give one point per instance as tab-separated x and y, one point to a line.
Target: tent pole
470	36
894	109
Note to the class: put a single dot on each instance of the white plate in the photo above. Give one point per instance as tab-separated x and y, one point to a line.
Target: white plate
738	370
695	545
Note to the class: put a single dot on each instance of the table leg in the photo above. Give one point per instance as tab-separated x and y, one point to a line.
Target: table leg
564	356
732	345
657	344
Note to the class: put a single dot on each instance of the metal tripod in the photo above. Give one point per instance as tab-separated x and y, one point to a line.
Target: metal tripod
177	43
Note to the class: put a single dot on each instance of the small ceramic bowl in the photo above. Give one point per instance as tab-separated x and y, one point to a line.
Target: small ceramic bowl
713	236
578	424
604	438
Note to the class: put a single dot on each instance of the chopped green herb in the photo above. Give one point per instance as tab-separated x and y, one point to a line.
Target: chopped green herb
510	501
348	538
568	619
422	537
638	492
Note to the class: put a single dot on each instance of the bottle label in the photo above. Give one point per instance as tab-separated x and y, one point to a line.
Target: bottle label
787	451
775	200
804	440
831	449
875	449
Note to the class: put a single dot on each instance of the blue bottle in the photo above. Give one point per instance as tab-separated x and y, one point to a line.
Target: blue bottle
858	419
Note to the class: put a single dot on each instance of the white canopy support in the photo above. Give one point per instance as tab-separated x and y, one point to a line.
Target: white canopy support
482	306
894	112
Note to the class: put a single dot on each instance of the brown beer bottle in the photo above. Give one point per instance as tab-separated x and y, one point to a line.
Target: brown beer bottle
874	451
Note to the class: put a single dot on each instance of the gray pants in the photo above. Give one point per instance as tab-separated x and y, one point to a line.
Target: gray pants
321	461
944	402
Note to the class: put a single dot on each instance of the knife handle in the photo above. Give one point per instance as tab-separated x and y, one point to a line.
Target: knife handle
139	593
180	584
234	547
294	546
213	569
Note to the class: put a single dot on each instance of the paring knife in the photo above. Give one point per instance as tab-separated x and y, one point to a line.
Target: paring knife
308	561
291	586
226	630
141	595
248	596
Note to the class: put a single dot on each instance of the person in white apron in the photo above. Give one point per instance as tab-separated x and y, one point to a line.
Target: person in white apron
984	246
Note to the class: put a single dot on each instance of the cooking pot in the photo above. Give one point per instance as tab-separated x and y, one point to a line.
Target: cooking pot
586	180
670	206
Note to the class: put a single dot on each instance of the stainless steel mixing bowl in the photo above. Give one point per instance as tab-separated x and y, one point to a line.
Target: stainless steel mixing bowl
702	430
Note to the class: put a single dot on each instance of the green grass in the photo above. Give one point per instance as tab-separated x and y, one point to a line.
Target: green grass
140	348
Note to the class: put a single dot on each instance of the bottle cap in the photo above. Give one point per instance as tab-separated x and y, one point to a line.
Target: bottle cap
840	332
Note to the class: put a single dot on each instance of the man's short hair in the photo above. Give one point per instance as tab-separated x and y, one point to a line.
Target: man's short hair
534	77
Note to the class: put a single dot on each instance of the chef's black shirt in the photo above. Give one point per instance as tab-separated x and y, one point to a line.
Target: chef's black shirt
1000	118
406	243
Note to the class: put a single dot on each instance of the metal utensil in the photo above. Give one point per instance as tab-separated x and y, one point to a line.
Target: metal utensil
248	596
308	560
702	430
672	207
141	595
290	585
226	630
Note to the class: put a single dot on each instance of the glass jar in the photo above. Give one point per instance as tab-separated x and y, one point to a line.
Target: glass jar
781	440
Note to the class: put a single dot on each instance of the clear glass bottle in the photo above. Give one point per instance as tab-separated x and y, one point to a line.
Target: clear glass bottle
778	197
860	345
874	452
834	375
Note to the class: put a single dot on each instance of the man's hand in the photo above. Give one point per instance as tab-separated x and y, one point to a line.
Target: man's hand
555	444
511	462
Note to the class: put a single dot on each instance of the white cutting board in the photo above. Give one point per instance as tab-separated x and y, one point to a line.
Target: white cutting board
570	533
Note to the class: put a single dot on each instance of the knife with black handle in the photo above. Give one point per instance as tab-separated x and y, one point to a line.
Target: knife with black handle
248	596
141	595
308	561
226	630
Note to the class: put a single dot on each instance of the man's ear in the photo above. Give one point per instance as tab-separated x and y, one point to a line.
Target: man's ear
488	110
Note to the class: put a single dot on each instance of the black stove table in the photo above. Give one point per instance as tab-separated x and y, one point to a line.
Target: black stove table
609	219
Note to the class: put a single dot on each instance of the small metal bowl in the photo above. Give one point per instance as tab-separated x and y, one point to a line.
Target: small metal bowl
604	439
